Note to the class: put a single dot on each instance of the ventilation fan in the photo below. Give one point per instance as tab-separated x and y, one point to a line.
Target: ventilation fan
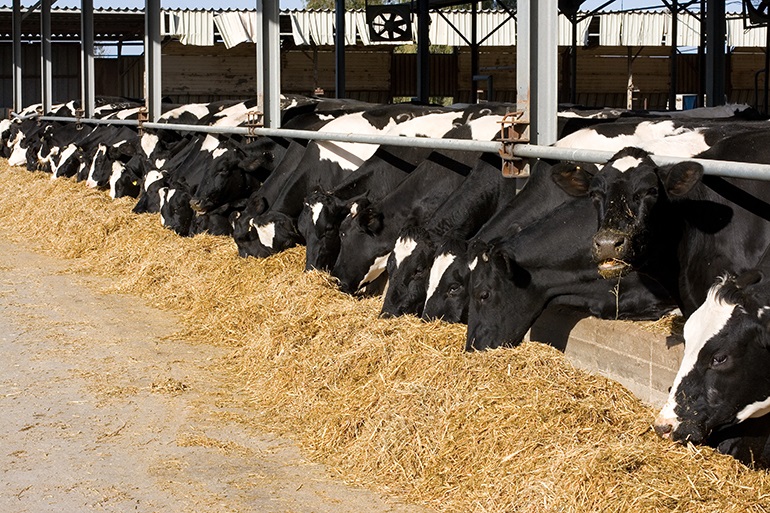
758	11
389	22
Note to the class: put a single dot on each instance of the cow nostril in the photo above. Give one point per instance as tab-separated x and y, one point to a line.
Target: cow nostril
663	430
620	243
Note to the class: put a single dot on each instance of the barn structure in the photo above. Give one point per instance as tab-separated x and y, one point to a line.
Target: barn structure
623	58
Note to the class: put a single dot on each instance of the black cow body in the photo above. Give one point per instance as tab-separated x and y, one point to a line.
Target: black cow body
549	263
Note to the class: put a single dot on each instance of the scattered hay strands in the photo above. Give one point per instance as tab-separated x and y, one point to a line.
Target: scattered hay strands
394	404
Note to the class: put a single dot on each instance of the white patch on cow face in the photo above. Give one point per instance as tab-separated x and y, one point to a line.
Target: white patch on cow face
18	155
403	248
164	196
625	163
350	156
354	209
437	270
151	178
754	410
316	209
703	324
265	232
149	142
117	172
472	265
375	270
218	153
90	182
159	163
210	143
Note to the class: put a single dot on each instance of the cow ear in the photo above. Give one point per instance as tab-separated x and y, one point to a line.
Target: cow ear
574	179
370	221
680	178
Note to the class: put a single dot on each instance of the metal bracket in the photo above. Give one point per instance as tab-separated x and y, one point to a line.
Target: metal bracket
254	120
78	116
141	117
514	129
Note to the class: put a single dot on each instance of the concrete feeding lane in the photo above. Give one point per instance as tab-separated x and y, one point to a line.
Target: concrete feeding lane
102	411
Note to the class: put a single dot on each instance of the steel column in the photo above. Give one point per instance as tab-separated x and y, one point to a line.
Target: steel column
271	44
152	59
523	25
423	51
544	72
260	82
715	52
339	50
46	67
87	86
674	54
18	97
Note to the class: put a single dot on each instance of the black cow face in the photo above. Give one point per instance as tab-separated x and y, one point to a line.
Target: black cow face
275	232
175	211
363	256
629	193
494	278
723	379
149	197
408	268
319	223
448	283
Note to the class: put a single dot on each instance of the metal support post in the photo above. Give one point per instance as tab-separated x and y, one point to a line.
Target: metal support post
271	42
46	67
423	51
339	50
88	92
715	52
544	72
152	58
674	54
18	98
475	55
260	51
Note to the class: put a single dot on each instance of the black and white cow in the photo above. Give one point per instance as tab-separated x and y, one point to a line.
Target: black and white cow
674	224
368	237
323	212
723	380
446	296
549	263
459	217
323	165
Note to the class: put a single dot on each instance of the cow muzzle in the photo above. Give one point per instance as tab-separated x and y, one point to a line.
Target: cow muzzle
610	251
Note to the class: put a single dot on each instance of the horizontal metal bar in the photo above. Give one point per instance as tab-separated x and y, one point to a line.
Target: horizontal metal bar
725	168
90	121
710	167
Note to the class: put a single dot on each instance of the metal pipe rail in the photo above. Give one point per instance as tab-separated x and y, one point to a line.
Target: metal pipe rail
710	167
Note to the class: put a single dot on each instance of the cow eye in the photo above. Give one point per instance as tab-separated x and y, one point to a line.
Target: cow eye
453	288
483	296
718	359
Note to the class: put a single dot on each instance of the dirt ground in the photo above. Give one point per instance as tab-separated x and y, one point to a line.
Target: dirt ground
102	411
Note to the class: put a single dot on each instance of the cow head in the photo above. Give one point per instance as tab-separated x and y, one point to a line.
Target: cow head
319	223
493	280
723	379
408	267
363	252
275	232
175	211
149	197
629	193
447	291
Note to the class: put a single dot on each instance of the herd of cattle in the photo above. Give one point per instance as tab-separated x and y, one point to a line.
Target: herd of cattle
441	234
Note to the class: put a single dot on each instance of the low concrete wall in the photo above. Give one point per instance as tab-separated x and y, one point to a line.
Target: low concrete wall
643	360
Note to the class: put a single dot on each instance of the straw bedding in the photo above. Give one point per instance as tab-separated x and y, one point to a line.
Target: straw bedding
394	404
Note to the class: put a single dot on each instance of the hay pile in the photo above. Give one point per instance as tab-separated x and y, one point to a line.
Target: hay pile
394	404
